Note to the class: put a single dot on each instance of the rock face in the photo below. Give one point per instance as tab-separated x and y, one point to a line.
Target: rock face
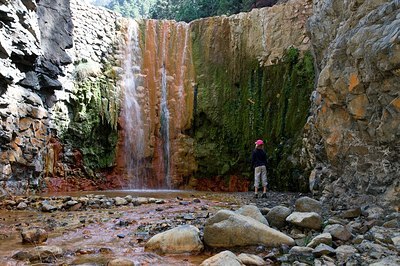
354	128
229	229
61	99
61	88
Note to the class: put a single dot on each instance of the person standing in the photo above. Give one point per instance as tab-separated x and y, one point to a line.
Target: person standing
259	162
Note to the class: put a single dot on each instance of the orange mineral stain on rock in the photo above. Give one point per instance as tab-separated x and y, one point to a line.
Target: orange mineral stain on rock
353	82
358	106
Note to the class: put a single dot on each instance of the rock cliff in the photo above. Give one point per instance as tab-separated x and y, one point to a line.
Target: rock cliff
206	91
353	134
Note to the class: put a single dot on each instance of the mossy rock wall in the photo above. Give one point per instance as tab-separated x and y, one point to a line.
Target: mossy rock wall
93	118
239	100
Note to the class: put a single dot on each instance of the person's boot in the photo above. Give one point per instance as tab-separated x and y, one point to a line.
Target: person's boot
256	196
264	195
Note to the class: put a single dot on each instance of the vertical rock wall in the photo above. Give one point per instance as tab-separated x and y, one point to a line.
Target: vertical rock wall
354	131
254	77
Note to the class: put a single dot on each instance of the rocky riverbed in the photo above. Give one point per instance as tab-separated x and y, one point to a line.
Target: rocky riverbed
193	228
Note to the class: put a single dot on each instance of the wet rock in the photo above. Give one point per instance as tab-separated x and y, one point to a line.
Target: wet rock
22	255
121	236
46	254
189	217
22	206
325	238
224	258
47	207
76	207
160	201
277	216
71	203
196	200
310	220
34	235
182	239
338	232
306	204
10	203
228	229
120	262
250	259
120	201
323	249
253	212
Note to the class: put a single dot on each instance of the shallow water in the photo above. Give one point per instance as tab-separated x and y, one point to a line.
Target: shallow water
83	234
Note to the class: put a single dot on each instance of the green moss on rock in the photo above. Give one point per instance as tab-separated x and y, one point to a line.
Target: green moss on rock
239	101
94	117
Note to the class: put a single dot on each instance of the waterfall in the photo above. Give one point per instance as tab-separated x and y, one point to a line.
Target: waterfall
132	113
165	115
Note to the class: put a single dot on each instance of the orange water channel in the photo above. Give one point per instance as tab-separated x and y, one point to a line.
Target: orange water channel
93	236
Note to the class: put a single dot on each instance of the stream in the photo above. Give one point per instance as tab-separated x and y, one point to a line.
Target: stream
94	236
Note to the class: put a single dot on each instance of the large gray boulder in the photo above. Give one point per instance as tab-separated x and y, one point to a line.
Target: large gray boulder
277	216
310	220
225	258
229	229
253	212
182	239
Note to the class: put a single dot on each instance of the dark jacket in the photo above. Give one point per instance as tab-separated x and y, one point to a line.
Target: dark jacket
258	158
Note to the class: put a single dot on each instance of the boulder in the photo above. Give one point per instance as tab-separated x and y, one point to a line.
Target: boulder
229	229
22	206
225	258
253	212
120	262
306	204
34	235
338	231
182	239
45	254
325	238
310	220
120	201
277	216
250	259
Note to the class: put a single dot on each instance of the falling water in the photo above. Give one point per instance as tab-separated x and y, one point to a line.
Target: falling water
134	133
165	116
